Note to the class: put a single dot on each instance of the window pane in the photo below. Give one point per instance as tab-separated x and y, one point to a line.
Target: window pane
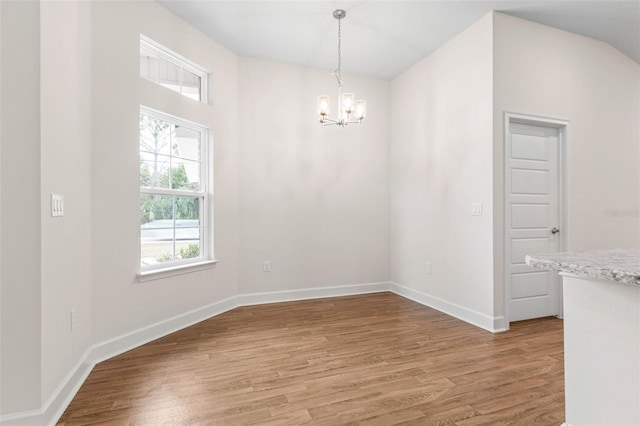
190	235
188	232
188	249
163	239
187	143
157	234
155	135
155	252
187	211
155	171
191	85
144	64
156	211
153	67
168	75
185	174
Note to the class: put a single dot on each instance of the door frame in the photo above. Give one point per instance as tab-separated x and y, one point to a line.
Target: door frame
563	127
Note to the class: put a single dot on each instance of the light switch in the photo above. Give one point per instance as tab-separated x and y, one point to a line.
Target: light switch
476	209
57	205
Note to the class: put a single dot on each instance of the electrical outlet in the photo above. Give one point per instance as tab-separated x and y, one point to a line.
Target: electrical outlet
428	267
74	319
266	266
476	209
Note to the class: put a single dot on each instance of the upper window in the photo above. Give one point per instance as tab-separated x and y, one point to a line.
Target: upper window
175	200
170	70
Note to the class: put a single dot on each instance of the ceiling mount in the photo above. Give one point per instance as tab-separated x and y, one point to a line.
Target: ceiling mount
339	13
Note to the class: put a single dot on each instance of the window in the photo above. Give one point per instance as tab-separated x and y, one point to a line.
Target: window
175	186
170	70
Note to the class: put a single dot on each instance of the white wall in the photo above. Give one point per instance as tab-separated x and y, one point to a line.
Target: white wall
441	162
120	304
20	188
65	169
547	72
314	200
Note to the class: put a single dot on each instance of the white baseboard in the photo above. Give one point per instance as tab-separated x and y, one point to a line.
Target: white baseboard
311	293
465	314
62	396
51	411
123	343
500	324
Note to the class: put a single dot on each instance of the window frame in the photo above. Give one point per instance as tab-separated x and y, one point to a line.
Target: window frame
169	55
206	258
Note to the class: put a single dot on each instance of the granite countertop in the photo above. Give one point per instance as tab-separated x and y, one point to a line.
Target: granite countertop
622	265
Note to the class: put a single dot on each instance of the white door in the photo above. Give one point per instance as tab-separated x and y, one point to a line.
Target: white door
532	218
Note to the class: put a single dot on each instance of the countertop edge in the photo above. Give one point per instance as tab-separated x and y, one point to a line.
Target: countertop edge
554	262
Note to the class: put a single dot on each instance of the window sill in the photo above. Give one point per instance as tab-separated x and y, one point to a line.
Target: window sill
158	274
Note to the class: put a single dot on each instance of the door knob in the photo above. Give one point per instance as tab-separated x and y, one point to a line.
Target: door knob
554	230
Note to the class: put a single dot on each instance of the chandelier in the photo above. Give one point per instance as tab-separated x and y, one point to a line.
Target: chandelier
349	110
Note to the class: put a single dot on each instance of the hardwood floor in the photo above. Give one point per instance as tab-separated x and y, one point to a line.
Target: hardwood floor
374	359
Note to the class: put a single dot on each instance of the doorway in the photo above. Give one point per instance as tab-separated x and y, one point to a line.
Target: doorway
535	212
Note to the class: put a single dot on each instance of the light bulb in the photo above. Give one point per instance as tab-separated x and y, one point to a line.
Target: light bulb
323	105
347	102
361	109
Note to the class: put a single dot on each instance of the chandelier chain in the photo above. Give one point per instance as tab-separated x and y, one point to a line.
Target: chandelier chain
339	70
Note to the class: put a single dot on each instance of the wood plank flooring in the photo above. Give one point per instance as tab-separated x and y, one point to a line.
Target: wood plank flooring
376	359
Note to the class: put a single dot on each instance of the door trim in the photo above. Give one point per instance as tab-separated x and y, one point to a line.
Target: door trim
563	127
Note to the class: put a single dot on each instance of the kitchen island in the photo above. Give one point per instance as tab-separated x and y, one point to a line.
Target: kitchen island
601	299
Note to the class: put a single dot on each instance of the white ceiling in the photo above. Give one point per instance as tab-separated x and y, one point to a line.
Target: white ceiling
383	38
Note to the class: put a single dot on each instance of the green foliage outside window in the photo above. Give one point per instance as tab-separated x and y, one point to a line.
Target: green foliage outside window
192	250
158	207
